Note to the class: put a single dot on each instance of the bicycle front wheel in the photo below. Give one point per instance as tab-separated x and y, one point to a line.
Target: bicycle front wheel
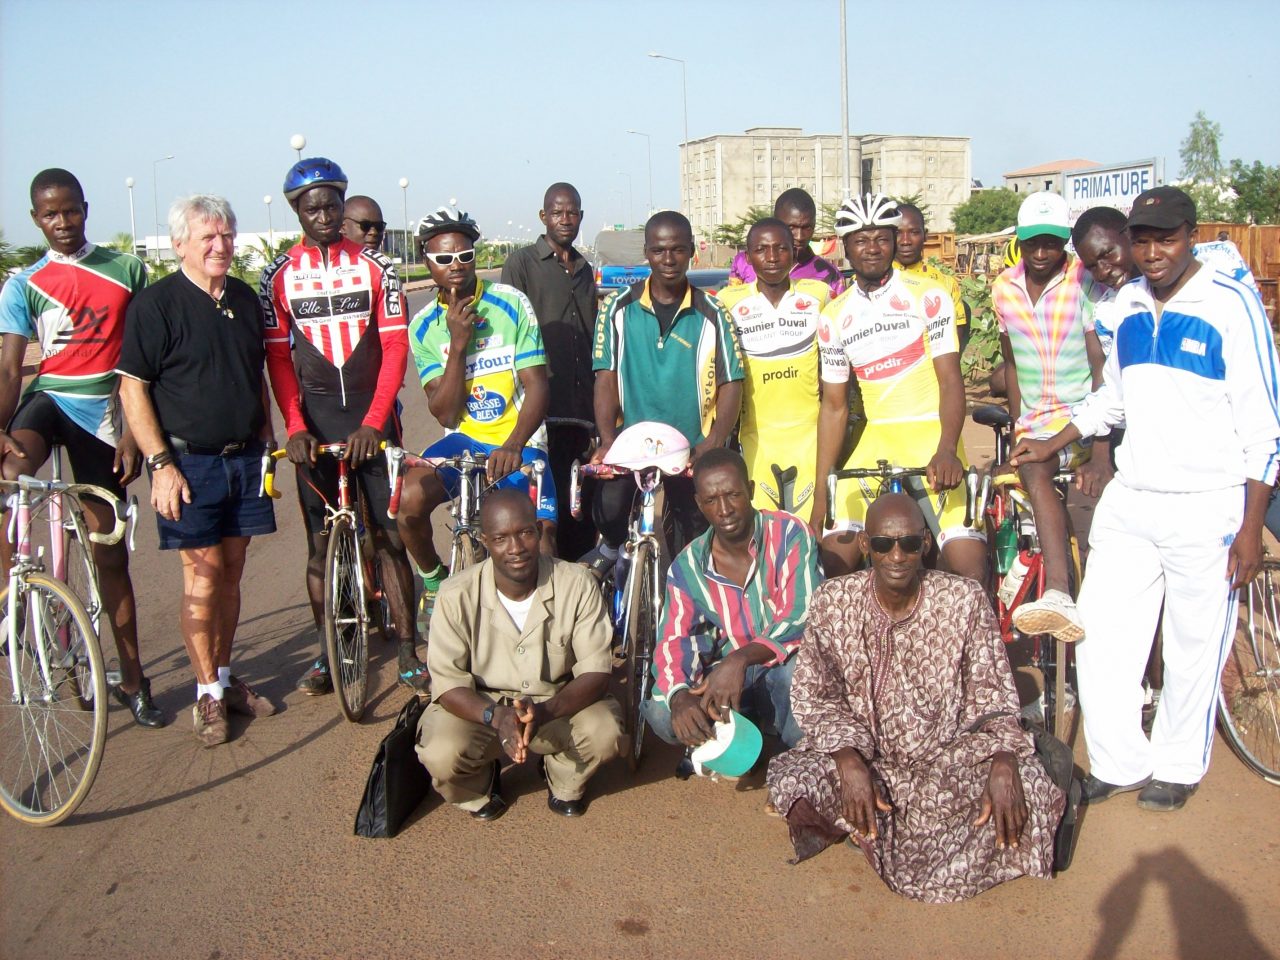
641	637
467	552
50	744
346	618
1249	692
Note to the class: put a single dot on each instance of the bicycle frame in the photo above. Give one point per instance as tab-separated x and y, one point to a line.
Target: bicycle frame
23	562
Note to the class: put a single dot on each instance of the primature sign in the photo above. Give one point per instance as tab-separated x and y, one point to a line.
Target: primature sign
1116	186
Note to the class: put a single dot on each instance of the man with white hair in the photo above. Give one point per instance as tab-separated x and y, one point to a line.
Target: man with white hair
193	394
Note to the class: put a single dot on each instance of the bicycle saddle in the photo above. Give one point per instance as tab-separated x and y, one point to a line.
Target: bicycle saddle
992	415
650	444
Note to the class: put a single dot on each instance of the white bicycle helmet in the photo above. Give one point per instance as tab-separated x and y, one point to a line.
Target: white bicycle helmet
859	213
650	444
445	220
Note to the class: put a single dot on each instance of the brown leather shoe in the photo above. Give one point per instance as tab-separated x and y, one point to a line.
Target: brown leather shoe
239	697
210	718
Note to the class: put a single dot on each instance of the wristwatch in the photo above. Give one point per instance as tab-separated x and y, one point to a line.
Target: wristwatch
487	717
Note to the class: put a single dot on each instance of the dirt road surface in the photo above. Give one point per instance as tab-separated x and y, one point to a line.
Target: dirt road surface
246	850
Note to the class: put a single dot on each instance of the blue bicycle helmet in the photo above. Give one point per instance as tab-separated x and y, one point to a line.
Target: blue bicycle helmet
313	172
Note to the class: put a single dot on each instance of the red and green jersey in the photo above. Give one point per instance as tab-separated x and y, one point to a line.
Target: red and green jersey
74	306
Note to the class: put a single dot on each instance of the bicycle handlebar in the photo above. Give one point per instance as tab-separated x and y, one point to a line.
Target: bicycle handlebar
268	485
465	463
121	513
882	471
603	471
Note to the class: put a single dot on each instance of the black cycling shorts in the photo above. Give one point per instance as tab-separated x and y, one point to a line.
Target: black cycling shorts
92	458
329	422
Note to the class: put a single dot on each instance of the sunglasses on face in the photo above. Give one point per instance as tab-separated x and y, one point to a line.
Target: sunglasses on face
910	543
367	225
444	259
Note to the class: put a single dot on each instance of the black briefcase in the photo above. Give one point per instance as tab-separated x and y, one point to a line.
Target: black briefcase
398	781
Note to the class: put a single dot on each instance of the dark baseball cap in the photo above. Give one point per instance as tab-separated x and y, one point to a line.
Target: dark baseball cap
1165	208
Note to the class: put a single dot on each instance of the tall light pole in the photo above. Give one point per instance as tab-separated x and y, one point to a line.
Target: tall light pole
404	190
631	212
844	103
649	150
271	231
684	96
297	142
155	200
133	224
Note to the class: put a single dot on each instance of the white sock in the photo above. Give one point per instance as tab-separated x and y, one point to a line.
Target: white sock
224	676
212	689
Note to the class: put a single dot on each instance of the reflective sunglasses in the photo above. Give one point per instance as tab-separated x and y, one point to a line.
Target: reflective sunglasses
444	259
910	543
367	225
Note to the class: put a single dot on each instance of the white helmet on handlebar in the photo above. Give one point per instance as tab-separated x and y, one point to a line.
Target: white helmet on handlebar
650	444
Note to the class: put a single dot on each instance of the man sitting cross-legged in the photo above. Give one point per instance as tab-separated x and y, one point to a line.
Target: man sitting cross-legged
912	743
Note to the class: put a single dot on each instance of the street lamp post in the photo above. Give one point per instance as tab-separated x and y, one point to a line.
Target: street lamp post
155	200
404	190
133	224
649	150
297	142
684	96
844	102
271	230
631	211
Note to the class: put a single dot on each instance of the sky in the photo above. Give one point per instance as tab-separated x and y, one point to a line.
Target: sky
490	101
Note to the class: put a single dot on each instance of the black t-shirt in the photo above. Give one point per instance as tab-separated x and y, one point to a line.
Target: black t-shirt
203	360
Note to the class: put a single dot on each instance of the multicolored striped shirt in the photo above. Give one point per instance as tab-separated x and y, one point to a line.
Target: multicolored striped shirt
708	616
1048	343
74	305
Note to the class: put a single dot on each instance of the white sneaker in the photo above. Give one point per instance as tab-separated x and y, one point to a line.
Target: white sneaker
1055	613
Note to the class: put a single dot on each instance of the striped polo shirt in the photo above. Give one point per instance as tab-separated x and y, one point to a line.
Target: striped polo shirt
1048	343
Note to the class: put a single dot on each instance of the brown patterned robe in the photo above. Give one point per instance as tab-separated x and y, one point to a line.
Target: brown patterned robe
903	695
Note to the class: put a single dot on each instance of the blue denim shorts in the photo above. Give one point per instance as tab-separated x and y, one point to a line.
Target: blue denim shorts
226	501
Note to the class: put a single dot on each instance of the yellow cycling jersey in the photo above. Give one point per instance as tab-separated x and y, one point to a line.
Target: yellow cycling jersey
944	280
780	395
890	337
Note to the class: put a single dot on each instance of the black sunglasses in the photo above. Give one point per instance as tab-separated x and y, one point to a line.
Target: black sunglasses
910	543
367	225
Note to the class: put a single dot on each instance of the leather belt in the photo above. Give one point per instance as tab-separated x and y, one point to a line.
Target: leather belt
178	445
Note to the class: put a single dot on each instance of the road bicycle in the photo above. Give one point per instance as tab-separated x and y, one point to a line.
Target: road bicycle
53	683
1017	566
465	549
1249	691
635	599
352	584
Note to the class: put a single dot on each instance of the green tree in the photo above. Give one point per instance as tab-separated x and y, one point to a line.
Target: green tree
264	251
1201	161
122	242
1257	190
735	234
987	211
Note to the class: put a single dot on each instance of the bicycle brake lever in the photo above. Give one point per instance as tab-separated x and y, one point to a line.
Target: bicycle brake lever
131	520
11	504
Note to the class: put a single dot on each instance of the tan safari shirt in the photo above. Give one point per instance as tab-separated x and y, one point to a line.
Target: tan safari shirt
474	642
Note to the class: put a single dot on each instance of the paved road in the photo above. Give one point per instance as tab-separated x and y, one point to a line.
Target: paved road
246	850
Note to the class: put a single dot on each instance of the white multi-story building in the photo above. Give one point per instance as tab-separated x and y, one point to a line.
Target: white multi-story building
726	174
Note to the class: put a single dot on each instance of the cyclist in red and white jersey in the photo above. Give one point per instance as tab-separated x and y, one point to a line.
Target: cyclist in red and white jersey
337	346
